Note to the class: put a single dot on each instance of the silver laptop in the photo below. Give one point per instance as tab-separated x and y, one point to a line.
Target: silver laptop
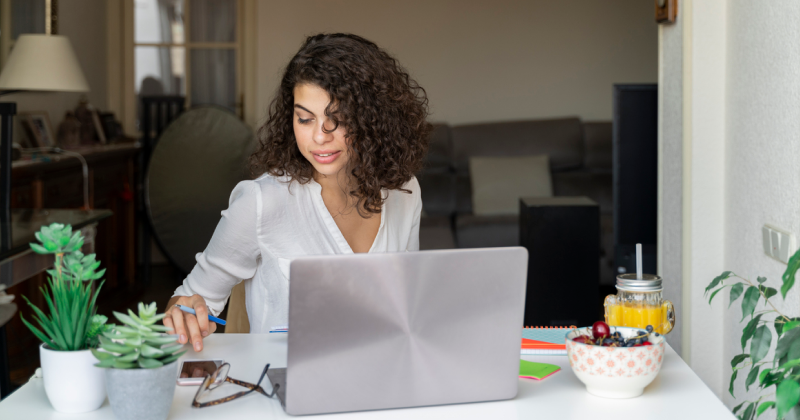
378	331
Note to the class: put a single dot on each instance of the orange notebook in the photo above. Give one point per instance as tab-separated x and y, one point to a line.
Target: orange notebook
545	340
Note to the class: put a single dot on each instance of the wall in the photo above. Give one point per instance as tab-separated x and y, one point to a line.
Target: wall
762	149
738	110
483	61
84	23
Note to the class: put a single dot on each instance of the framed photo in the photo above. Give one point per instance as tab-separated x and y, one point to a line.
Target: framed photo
38	126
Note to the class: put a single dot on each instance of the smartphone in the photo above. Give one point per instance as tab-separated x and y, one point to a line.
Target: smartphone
192	372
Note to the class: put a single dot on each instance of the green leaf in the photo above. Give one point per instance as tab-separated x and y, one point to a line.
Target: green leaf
172	349
786	341
148	351
129	357
767	291
124	365
739	358
715	293
160	341
791	324
749	301
749	330
736	291
763	376
760	344
116	348
764	407
172	358
101	355
787	396
733	378
794	350
751	377
149	363
735	409
761	279
790	364
717	280
748	413
788	276
106	363
157	327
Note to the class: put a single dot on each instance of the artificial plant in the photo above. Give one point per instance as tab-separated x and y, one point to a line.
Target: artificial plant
140	343
72	323
783	371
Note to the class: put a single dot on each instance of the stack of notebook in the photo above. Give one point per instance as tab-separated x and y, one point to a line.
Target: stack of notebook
545	340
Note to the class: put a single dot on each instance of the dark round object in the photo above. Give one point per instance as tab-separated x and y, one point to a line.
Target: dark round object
649	328
196	163
600	330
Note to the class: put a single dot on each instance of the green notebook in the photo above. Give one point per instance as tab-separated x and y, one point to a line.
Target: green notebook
535	370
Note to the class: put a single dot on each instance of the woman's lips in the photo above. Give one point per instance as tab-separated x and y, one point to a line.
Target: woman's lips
327	157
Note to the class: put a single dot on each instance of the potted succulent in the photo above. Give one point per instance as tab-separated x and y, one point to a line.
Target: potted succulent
140	362
763	328
71	381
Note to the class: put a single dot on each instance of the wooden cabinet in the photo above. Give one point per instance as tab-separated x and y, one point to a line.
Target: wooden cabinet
59	183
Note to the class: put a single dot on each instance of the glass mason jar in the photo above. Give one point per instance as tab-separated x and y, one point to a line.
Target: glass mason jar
638	303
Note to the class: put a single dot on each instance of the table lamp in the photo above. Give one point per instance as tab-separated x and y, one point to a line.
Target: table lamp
36	63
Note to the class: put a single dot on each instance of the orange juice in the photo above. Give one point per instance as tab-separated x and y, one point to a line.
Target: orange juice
638	315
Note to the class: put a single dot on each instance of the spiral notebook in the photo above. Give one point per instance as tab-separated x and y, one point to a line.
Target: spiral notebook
545	340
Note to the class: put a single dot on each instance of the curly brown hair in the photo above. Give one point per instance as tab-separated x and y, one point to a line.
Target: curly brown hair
383	110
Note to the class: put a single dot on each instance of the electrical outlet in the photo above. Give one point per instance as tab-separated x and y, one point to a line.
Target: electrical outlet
777	243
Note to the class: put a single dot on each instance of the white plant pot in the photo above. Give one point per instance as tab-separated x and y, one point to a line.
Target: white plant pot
72	382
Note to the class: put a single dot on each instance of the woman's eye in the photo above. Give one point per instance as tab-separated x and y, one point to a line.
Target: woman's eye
302	121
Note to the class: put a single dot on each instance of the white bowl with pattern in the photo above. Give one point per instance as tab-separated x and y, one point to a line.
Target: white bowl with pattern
615	372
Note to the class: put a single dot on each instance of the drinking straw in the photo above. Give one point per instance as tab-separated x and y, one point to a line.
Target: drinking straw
639	261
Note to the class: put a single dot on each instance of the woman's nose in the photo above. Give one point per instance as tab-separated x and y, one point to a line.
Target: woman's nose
322	133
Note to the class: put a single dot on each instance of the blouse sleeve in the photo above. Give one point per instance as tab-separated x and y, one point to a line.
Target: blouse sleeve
413	240
232	254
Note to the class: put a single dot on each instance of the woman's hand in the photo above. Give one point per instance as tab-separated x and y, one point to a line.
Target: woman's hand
188	326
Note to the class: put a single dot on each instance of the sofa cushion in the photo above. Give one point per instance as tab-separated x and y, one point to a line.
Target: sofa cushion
440	148
438	187
499	182
436	233
598	146
487	231
561	139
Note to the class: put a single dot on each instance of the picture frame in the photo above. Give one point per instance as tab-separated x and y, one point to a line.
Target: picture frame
38	126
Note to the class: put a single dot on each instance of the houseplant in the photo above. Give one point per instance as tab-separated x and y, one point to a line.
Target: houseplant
71	382
140	365
783	371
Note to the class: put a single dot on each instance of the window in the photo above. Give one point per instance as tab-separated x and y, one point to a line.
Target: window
190	48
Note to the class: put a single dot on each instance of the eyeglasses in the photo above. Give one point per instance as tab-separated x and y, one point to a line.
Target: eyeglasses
219	377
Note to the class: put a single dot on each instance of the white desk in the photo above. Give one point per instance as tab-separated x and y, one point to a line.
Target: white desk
677	393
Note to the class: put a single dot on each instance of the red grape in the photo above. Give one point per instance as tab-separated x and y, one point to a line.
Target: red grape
600	330
583	339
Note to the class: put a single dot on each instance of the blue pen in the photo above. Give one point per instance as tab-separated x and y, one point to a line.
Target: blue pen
210	317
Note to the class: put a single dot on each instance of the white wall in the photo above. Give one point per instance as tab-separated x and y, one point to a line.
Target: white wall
479	60
740	107
762	166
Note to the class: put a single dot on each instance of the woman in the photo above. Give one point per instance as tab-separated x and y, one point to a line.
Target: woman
346	132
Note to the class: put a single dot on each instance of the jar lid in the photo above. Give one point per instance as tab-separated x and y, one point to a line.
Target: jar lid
630	282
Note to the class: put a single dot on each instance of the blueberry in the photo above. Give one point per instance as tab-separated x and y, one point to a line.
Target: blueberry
629	344
658	335
642	332
637	341
649	328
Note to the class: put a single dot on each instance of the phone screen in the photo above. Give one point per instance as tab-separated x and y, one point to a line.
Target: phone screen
193	371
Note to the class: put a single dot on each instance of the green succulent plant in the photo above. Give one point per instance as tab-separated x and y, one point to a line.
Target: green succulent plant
139	343
72	323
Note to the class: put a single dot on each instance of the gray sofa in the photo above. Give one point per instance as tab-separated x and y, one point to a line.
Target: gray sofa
580	165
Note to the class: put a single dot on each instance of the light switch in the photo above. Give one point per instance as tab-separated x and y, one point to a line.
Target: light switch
777	243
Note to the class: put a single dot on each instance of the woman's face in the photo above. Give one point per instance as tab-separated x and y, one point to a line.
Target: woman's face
325	149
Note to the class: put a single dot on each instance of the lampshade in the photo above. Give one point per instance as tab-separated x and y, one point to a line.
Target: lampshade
43	62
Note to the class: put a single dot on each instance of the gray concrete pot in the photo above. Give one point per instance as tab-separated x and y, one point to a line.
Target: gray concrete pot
141	394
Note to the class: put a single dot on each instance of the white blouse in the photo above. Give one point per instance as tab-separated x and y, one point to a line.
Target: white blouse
268	223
